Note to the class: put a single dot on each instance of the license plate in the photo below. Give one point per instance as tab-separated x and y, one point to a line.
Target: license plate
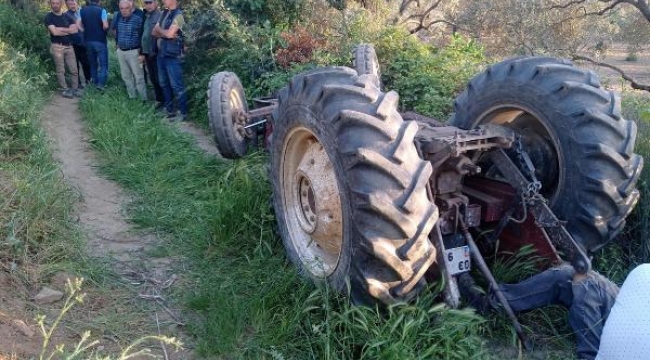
457	260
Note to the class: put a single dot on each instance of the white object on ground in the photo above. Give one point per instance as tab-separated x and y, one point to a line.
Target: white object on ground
626	334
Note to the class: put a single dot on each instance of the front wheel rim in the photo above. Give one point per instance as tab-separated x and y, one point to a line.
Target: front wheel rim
312	203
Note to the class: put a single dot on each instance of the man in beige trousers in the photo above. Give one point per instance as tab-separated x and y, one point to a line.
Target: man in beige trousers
61	25
129	51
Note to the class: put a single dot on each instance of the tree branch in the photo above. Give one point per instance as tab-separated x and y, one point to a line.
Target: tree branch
421	26
421	18
633	82
405	4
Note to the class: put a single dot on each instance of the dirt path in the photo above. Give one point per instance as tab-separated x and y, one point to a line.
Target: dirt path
203	141
109	235
100	209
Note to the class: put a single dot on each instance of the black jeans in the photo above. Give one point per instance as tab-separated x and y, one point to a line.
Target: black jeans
589	302
82	59
152	72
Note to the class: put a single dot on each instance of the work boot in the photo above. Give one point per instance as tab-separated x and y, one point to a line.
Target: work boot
472	295
67	93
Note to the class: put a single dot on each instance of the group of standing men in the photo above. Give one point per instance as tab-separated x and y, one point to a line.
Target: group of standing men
151	39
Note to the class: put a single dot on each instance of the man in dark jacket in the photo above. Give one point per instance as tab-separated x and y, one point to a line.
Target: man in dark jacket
170	57
78	43
94	20
149	49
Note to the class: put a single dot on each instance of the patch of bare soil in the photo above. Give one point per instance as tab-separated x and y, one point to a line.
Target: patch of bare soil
203	141
638	69
110	238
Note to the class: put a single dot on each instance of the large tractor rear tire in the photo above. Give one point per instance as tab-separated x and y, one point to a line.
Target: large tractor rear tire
226	111
349	187
573	130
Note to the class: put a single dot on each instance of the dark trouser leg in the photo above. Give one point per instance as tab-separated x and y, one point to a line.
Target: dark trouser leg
552	286
163	78
152	70
82	59
593	299
91	52
175	72
102	58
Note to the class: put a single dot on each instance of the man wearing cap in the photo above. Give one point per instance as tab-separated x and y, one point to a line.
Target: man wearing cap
61	25
171	50
149	49
129	50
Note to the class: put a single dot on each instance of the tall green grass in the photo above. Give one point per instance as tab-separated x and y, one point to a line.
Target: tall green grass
36	213
216	215
24	30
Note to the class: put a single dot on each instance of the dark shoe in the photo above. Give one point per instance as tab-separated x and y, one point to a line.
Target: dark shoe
67	93
471	294
77	93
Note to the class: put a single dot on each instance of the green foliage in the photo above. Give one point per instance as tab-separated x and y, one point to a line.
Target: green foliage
36	204
220	42
24	30
259	11
20	79
335	329
427	78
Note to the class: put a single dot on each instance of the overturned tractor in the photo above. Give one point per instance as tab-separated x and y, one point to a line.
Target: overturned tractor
536	152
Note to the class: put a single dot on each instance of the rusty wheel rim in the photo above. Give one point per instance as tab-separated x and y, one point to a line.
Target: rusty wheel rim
312	202
239	118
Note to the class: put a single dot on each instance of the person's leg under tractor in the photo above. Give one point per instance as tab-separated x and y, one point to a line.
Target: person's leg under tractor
593	298
550	287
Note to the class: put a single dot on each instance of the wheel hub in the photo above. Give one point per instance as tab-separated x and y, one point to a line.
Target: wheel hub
312	203
239	118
